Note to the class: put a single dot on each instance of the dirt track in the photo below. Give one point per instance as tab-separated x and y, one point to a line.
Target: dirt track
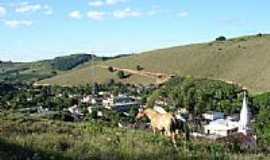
160	78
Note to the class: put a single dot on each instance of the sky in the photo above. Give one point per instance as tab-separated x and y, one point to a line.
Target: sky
31	30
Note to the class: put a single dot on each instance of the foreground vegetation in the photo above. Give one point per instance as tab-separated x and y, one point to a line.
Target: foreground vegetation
25	134
23	137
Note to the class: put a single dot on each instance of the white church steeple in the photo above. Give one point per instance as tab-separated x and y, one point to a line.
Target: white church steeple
244	116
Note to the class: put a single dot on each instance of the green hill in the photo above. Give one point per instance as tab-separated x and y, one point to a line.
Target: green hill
34	71
244	60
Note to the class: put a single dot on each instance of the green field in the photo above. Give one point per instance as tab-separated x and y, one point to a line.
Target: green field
244	60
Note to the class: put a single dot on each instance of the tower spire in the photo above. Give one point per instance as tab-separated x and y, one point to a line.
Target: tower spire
244	116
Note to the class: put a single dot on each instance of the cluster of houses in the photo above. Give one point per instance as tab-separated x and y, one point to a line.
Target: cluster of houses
216	124
120	103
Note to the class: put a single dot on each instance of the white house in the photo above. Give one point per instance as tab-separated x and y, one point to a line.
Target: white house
120	103
75	110
221	127
211	116
86	99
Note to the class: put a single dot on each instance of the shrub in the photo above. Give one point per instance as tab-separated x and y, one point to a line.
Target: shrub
111	82
221	38
259	35
110	68
121	74
139	68
54	73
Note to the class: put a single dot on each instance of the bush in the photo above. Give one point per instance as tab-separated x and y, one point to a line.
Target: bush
139	68
110	68
121	74
54	73
259	35
221	38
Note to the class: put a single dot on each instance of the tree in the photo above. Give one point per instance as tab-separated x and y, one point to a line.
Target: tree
111	82
139	68
221	38
121	74
200	95
110	68
262	126
259	35
54	73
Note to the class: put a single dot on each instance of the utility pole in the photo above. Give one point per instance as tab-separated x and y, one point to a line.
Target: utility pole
93	72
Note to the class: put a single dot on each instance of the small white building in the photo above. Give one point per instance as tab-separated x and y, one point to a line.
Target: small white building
221	127
75	110
120	103
86	99
211	116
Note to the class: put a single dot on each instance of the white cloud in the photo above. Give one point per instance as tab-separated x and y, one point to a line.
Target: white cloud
113	2
99	3
75	15
25	7
96	3
126	13
48	10
183	14
3	11
154	11
18	23
96	15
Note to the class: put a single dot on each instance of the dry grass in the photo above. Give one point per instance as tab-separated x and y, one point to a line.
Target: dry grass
85	76
244	60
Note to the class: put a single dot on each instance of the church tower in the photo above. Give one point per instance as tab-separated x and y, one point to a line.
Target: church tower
244	116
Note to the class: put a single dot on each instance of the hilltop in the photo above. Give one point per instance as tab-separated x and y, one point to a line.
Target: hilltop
242	60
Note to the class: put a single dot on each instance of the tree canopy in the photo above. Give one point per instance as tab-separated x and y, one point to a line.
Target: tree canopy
199	95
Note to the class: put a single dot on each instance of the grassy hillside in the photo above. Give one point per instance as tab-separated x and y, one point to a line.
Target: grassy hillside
25	137
10	71
33	71
244	60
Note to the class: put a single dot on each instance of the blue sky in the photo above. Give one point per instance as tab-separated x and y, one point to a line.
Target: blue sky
38	29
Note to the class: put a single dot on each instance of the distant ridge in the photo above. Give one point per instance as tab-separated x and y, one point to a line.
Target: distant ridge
33	71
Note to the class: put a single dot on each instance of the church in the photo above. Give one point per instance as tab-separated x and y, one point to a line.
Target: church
224	127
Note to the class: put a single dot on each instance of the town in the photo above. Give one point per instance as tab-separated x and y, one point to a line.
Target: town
120	106
134	80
